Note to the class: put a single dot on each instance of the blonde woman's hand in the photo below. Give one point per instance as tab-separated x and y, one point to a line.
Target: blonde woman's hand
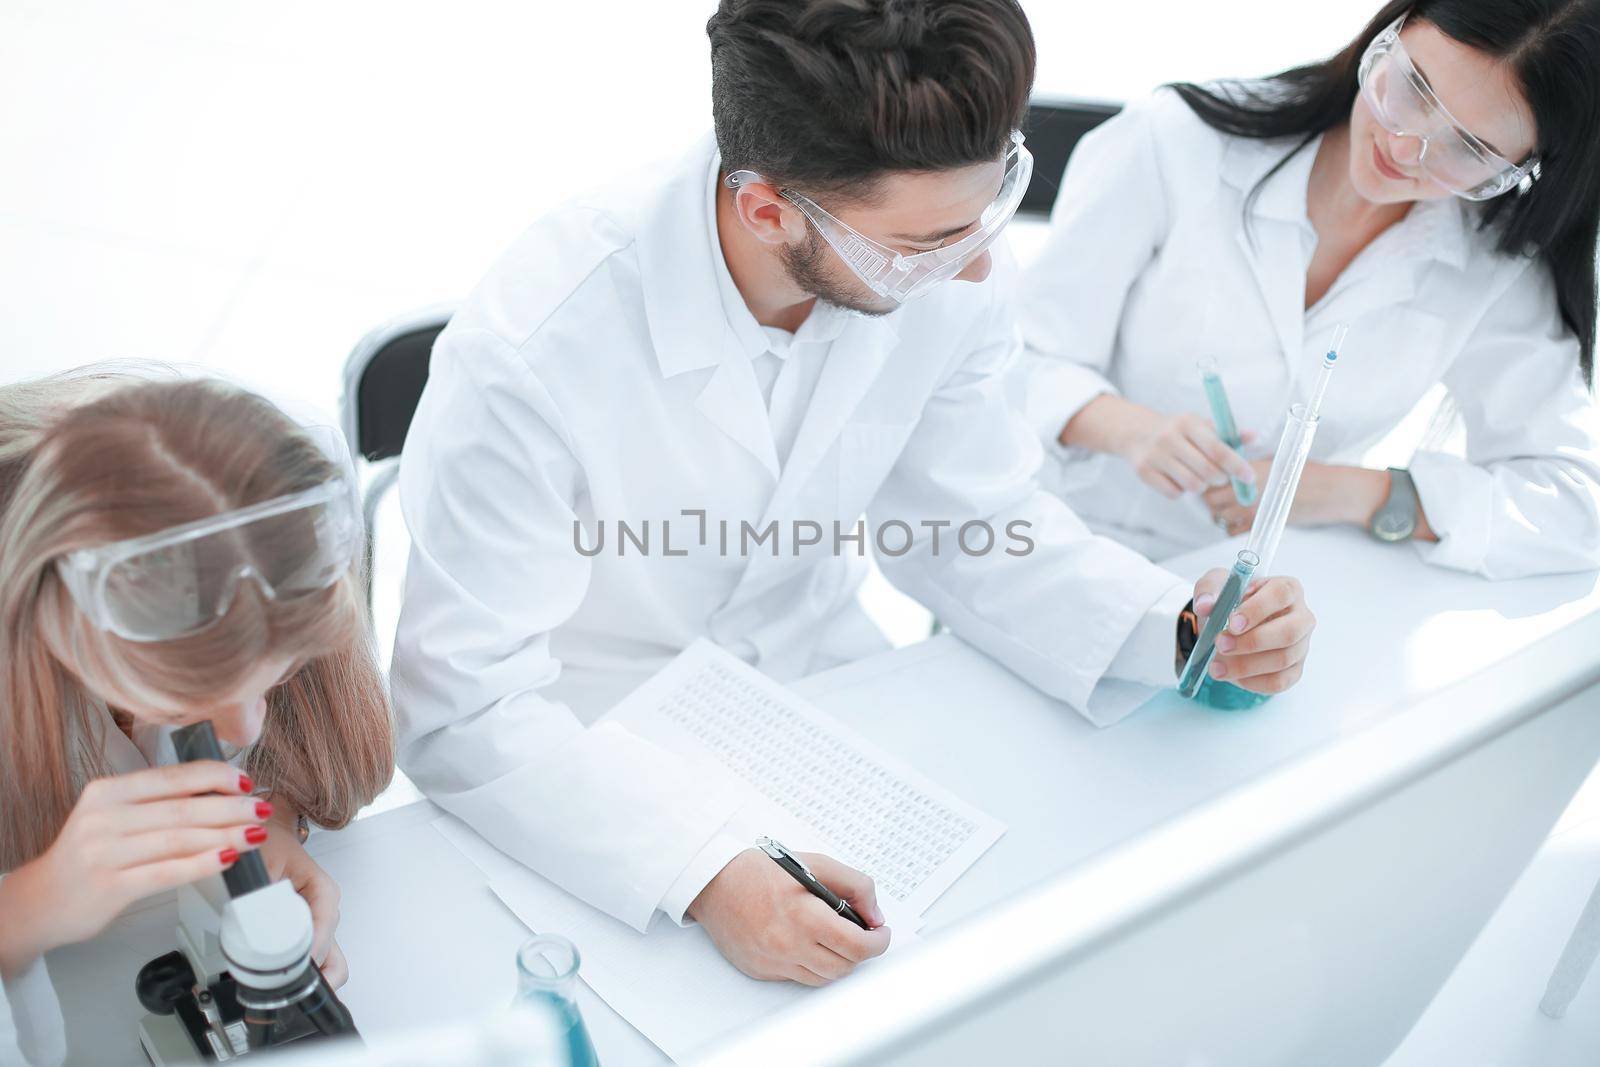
287	858
127	837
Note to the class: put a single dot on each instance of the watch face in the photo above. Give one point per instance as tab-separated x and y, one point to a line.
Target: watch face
1388	526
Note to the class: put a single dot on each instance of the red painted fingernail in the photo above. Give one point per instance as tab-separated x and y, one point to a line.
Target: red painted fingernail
228	856
256	834
245	784
263	809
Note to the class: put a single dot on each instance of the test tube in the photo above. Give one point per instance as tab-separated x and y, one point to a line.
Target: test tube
1265	533
1287	465
1222	415
1271	518
1194	671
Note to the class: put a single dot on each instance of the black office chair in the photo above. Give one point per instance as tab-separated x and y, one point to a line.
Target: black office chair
383	381
1054	128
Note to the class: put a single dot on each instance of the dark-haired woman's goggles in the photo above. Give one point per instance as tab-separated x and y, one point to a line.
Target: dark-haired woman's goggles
1405	104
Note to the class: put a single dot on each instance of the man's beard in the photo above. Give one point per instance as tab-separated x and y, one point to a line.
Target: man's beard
809	269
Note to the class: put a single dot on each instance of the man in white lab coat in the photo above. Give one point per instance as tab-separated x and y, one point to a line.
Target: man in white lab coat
663	415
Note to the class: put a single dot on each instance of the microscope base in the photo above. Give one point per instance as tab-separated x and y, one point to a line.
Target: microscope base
166	1042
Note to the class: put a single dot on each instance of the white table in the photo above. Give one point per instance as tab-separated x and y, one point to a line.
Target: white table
429	943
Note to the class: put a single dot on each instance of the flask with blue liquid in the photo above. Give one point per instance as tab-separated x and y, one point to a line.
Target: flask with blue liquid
547	978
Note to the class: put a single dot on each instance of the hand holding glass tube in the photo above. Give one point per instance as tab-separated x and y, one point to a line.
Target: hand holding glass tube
1271	518
1228	430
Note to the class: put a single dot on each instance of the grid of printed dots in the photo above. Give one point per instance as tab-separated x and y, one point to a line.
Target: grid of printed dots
881	824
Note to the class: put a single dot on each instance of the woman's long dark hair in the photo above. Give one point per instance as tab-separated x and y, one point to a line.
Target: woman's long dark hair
1554	48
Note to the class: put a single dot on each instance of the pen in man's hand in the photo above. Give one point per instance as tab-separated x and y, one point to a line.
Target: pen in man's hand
802	874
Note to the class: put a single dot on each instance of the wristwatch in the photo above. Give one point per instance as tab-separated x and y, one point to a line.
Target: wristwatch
1397	519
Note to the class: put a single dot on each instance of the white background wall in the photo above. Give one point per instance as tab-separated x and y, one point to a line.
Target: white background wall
252	186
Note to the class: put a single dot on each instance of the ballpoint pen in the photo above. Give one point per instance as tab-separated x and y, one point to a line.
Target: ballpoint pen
802	874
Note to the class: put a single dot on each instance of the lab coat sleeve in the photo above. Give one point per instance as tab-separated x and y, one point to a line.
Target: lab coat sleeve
1525	499
488	485
1051	601
1109	219
31	1028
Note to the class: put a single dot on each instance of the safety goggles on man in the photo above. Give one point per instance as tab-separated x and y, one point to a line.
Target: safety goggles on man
1404	104
899	277
181	580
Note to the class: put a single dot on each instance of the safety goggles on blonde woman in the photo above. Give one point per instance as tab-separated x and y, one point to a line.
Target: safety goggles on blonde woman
179	581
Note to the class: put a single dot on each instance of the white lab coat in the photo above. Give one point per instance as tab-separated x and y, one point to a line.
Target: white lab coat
1150	266
32	1030
594	375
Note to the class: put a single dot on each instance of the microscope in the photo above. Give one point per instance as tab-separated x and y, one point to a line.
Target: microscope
241	979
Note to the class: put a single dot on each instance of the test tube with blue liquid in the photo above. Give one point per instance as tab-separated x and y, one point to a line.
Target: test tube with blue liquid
1227	429
1265	532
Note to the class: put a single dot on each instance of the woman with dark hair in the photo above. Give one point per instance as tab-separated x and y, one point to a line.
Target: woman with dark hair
1436	184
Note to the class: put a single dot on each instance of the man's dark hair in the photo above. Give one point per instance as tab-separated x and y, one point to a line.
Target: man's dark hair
827	95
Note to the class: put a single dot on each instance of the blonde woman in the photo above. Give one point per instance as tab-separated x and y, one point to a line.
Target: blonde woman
170	551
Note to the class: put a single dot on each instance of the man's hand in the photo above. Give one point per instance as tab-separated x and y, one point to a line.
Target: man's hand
1264	645
769	927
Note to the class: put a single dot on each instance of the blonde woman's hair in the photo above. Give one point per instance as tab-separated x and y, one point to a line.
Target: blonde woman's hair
92	458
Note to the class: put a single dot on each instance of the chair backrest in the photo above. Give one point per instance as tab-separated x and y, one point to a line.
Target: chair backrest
383	381
1054	128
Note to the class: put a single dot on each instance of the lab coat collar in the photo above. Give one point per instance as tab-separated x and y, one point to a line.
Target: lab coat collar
1277	253
1283	196
688	328
1434	230
679	260
1438	229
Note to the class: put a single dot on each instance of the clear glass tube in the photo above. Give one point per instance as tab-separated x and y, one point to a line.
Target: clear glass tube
1282	481
1194	671
547	976
1227	428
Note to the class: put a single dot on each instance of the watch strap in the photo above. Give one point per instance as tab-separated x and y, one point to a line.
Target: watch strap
1188	636
1401	504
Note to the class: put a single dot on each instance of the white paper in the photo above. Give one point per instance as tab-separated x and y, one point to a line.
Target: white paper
671	983
812	783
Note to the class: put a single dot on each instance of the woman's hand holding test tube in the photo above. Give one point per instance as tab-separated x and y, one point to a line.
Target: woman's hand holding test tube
1173	454
1264	645
1235	590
